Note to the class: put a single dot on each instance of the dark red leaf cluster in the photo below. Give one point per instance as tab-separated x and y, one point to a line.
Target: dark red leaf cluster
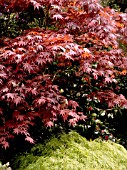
87	34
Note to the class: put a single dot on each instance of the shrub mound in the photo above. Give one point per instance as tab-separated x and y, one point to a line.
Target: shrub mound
71	151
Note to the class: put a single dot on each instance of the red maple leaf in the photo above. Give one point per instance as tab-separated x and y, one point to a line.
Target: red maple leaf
73	104
5	144
108	80
16	131
10	96
20	117
49	124
65	116
18	100
29	139
41	101
3	75
72	122
68	57
35	4
57	16
27	67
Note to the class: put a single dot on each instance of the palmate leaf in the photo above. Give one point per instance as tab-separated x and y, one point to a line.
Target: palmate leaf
68	57
2	67
29	139
73	104
39	48
17	131
35	4
18	100
10	96
20	130
49	124
27	67
57	16
108	80
64	114
72	122
40	61
41	101
20	117
5	144
3	75
21	43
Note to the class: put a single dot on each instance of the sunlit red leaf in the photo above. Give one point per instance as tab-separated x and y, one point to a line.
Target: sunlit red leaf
49	124
29	139
5	144
57	16
27	67
41	101
18	100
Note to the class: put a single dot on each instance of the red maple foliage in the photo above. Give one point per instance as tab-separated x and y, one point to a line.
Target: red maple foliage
86	35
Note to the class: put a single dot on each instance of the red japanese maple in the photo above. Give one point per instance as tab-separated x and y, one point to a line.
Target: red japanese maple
86	35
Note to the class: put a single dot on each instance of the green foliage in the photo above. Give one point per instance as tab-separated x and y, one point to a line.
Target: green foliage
5	166
14	23
124	47
9	26
119	5
110	3
73	63
71	151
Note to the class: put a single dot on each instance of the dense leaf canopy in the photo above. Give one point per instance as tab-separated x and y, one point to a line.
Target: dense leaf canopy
80	41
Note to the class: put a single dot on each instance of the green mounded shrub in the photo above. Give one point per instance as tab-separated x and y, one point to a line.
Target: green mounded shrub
70	65
5	166
71	151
